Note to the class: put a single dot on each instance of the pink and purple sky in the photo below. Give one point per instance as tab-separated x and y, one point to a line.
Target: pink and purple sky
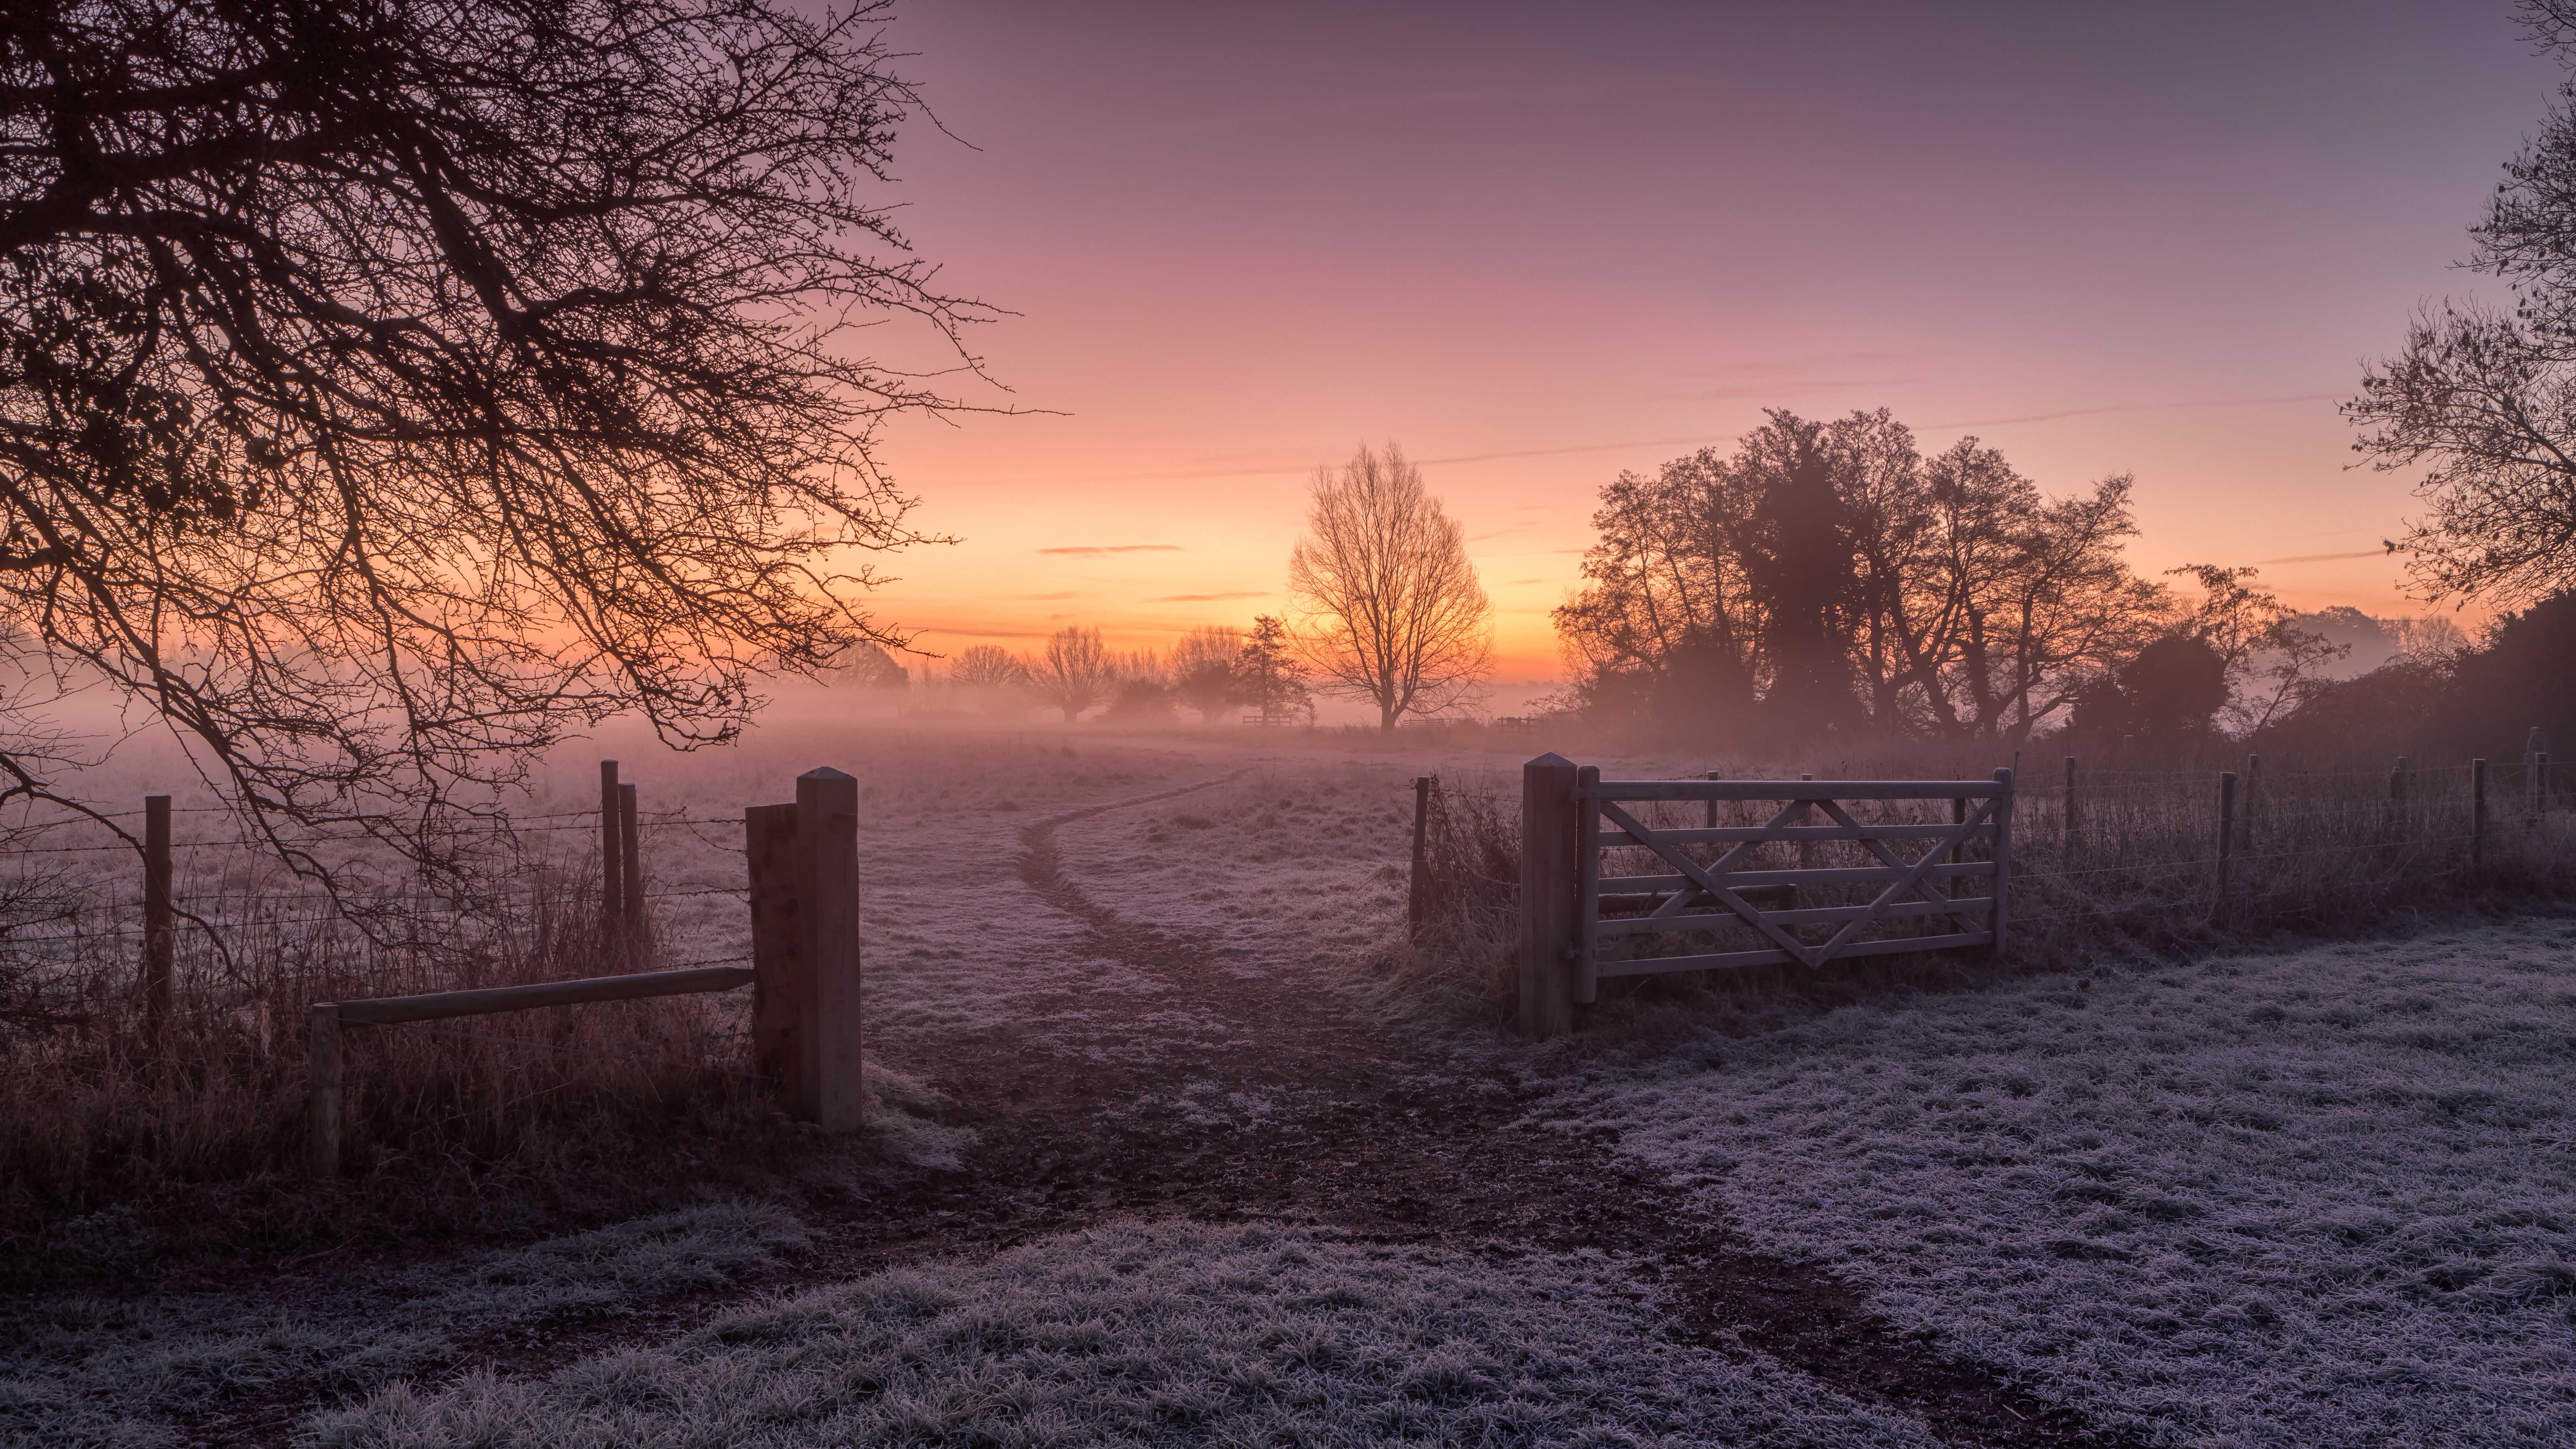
1537	245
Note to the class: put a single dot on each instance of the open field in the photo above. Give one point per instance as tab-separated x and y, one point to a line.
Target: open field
1170	1170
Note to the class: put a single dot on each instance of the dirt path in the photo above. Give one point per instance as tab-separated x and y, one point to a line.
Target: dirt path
1326	1120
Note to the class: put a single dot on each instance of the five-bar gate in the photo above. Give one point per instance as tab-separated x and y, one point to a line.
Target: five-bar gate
1610	881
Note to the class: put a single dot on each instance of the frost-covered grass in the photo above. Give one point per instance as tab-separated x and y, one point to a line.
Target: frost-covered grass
79	1370
2321	1198
1163	1334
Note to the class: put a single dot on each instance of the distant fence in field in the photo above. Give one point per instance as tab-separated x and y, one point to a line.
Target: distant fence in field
2155	854
801	896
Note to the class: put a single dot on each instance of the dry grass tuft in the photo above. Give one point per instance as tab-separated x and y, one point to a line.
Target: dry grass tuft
117	1151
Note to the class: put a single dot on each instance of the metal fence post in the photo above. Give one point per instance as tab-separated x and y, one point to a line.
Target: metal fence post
1549	895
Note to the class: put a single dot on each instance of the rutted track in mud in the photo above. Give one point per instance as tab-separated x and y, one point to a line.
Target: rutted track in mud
1355	1136
1361	1146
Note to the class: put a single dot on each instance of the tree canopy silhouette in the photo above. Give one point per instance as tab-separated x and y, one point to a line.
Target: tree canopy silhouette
388	388
2485	400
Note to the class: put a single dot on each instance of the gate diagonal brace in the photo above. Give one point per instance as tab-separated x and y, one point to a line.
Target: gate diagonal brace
1913	877
1707	881
1939	848
1680	900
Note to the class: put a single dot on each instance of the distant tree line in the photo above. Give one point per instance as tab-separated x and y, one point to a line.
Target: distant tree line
1829	576
1214	671
1829	580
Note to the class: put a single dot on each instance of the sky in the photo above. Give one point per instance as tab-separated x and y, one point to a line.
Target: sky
1538	245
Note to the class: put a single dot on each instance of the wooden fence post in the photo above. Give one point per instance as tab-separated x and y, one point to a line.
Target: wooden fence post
1587	902
2003	857
827	917
322	1096
2477	813
158	938
2226	834
769	849
2540	788
630	863
1711	821
612	871
2074	810
1416	900
1550	835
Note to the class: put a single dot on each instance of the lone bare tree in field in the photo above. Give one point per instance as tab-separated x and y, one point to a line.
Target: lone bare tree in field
1075	672
1393	612
387	391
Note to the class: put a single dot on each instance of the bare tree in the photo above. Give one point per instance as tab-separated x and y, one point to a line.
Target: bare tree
1203	676
2484	400
986	666
1393	612
1075	673
1830	574
387	391
869	666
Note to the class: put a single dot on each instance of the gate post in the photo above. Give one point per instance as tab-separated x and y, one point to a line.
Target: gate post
827	920
1587	895
769	849
2003	856
1551	830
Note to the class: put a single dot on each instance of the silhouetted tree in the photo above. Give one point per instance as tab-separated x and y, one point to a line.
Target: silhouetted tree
1828	573
2175	686
1266	674
987	666
1203	665
2478	397
1394	614
871	667
1075	672
2268	659
387	389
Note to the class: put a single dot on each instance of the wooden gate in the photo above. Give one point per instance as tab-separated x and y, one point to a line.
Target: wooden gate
1717	886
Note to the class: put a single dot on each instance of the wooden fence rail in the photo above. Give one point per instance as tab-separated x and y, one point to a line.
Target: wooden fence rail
803	863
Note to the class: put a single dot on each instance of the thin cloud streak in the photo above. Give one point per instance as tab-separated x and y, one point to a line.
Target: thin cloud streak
2232	402
1205	598
1092	550
2326	557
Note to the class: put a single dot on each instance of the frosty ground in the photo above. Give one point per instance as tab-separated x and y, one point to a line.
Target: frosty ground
1164	1163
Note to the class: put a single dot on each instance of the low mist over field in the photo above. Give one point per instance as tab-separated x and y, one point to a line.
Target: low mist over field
740	723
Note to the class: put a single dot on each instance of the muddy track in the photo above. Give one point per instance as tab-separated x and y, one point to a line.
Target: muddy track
1363	1142
1354	1134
